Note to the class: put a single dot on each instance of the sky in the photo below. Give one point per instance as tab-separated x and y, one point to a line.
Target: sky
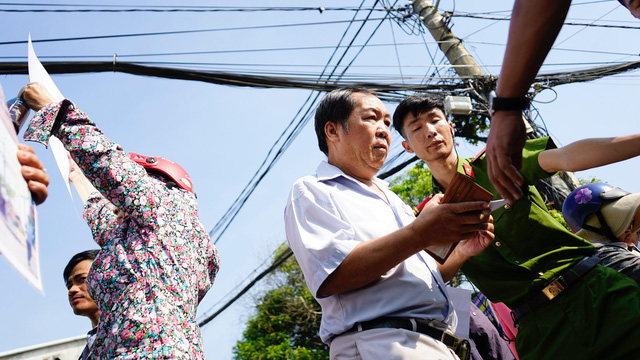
221	134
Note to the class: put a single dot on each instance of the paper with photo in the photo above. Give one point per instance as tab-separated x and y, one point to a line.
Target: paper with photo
37	73
19	241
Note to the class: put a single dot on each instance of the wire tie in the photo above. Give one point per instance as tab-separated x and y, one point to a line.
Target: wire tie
115	56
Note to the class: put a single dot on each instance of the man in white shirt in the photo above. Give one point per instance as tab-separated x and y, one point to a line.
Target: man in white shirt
361	248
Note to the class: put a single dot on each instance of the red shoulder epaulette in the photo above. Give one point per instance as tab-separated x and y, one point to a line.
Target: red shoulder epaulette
419	208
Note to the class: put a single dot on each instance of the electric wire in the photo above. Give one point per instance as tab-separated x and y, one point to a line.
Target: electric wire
566	23
159	9
177	32
228	217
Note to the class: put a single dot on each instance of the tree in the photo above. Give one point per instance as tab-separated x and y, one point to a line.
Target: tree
414	185
287	319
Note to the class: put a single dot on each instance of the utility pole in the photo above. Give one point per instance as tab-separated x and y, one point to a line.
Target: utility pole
463	63
556	188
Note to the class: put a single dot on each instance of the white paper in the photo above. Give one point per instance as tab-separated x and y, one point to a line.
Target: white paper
37	73
19	242
461	299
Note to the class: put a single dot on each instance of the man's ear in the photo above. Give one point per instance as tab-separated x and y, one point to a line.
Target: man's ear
407	146
453	132
331	131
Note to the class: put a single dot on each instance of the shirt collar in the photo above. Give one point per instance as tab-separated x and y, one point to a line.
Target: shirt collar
326	172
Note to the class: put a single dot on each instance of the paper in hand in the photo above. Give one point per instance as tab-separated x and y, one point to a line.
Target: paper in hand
461	189
37	73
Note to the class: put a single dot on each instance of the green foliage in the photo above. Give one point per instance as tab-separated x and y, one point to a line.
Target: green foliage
414	185
286	322
589	181
558	216
471	127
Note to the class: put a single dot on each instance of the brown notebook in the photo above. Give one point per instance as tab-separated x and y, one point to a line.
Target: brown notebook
461	189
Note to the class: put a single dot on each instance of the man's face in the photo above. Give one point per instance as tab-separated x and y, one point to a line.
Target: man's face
633	6
80	301
365	145
429	135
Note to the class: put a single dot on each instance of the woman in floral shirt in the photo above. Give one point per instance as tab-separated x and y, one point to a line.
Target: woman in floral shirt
155	264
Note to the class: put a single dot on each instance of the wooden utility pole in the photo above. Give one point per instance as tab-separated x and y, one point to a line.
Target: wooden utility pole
464	64
555	189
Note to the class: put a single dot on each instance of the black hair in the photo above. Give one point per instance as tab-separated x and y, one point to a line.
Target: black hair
77	258
416	104
336	107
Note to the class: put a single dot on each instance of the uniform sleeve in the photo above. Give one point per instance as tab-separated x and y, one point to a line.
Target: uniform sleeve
123	182
531	170
99	215
317	235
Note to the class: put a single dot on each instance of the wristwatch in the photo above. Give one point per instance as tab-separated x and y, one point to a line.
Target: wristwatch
507	103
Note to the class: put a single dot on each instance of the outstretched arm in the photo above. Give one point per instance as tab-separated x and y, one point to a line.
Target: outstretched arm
370	260
120	180
590	153
80	182
533	29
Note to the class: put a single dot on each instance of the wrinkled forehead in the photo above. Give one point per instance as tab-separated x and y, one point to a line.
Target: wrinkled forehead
364	101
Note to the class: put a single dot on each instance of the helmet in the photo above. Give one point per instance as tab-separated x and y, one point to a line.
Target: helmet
587	200
166	167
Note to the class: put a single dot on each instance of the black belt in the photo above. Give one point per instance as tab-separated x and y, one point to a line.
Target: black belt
557	286
460	346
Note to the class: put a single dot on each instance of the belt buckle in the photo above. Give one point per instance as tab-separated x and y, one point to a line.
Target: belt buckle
554	289
449	340
460	346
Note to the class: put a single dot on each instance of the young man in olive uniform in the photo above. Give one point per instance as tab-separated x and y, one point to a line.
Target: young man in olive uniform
566	304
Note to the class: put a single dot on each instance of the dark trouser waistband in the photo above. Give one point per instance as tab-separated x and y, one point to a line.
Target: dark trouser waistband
460	346
556	287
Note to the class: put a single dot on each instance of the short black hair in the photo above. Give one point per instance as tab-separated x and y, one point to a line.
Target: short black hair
77	258
416	104
336	107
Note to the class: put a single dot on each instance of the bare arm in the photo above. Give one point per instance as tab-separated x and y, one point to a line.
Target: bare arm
370	260
533	29
590	153
80	182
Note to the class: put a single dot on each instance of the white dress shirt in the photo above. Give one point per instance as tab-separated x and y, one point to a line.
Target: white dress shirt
328	215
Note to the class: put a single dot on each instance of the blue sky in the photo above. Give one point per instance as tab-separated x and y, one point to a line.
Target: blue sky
221	134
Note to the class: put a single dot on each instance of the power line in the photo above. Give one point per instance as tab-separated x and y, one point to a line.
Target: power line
171	9
281	259
228	217
115	36
569	23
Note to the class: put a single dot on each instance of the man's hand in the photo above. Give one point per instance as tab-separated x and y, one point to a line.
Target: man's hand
466	249
441	224
504	153
36	96
475	245
33	173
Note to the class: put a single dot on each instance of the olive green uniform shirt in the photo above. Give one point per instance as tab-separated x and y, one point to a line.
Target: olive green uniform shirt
531	248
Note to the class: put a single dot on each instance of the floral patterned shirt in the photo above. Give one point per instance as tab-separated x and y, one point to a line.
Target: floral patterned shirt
156	265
